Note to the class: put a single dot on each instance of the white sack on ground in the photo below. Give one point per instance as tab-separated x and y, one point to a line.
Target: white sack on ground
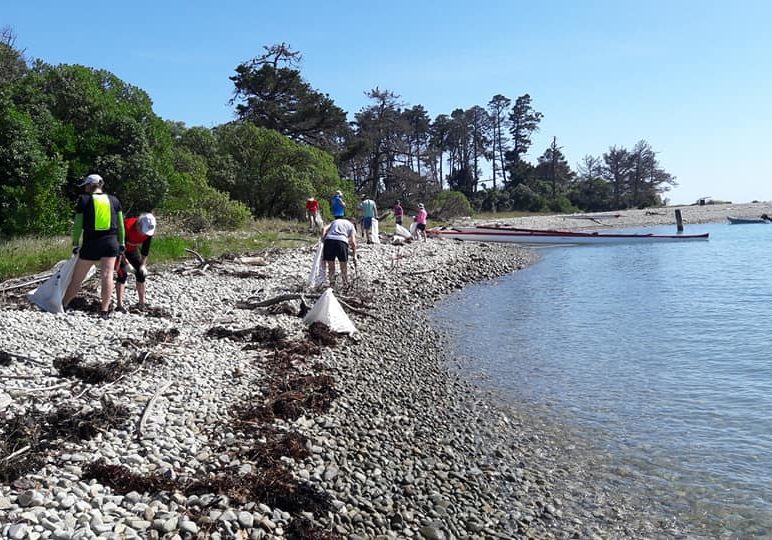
414	231
327	310
401	231
375	236
48	296
397	240
318	269
319	221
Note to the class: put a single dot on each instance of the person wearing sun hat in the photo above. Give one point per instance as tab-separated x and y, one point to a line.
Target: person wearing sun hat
139	235
338	205
420	220
99	217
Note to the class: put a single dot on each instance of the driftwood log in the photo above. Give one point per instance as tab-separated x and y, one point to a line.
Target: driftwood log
149	406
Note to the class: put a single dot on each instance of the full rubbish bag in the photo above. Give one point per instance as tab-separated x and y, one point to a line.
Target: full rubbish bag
327	310
48	296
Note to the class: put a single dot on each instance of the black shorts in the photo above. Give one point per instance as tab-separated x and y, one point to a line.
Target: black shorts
335	249
98	248
398	219
134	259
421	226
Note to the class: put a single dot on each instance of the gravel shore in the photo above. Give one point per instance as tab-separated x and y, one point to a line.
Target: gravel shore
380	436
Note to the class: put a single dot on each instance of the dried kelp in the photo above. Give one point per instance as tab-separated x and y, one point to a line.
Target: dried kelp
73	366
304	529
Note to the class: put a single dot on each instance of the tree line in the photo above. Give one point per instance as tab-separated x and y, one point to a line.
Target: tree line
287	141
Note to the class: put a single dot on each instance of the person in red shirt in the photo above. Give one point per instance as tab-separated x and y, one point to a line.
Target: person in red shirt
139	234
312	211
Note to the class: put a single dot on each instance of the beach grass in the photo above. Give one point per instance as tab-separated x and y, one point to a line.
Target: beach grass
30	255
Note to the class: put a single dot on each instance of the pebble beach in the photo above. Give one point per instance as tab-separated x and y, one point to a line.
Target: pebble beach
384	439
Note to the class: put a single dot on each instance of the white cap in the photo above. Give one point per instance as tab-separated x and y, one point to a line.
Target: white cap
338	193
146	224
420	205
92	179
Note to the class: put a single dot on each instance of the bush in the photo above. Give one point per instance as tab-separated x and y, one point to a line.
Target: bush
561	204
450	204
523	198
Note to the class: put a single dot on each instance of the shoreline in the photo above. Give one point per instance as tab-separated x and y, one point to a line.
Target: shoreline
408	448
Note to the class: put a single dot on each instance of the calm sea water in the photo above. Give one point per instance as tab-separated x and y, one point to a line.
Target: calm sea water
662	353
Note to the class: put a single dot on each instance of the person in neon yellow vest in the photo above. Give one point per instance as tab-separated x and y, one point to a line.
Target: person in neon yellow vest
99	217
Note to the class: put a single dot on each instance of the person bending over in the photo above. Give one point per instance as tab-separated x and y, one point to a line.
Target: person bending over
339	236
100	218
139	235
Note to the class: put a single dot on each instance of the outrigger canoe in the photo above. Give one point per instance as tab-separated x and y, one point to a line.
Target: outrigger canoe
537	236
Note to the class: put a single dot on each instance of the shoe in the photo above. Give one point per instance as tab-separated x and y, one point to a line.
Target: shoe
104	315
121	309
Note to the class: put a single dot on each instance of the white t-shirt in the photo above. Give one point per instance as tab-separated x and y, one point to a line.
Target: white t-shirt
340	229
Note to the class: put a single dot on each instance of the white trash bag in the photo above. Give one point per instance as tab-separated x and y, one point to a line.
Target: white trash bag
327	310
318	273
318	221
375	236
414	231
399	230
48	296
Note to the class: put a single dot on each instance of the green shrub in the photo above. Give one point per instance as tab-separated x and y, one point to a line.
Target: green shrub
450	204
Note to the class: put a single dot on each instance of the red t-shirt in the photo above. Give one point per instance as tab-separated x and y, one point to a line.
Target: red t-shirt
312	206
135	238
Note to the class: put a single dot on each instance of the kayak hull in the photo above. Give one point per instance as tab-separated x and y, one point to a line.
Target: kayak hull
540	237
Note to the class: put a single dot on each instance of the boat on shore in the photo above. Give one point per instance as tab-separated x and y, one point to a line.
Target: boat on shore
552	237
745	220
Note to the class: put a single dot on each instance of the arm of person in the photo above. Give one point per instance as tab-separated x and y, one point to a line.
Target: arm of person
352	242
145	250
121	230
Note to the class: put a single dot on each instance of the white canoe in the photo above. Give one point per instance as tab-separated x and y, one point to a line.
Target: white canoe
740	221
541	237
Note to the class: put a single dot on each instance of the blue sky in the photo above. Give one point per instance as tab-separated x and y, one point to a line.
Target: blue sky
690	77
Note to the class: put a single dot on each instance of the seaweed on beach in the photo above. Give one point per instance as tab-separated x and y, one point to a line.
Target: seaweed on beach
264	335
275	487
18	447
155	337
304	529
26	438
277	445
122	480
73	366
89	303
321	334
70	423
299	394
150	311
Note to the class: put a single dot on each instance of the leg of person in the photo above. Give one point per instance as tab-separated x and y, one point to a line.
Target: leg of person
106	282
344	271
141	292
78	275
121	274
331	271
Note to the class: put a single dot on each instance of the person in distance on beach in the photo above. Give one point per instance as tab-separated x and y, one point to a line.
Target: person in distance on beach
338	237
420	220
139	235
312	210
369	210
338	205
99	217
399	213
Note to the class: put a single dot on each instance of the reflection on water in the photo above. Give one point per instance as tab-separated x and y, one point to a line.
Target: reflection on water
662	349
